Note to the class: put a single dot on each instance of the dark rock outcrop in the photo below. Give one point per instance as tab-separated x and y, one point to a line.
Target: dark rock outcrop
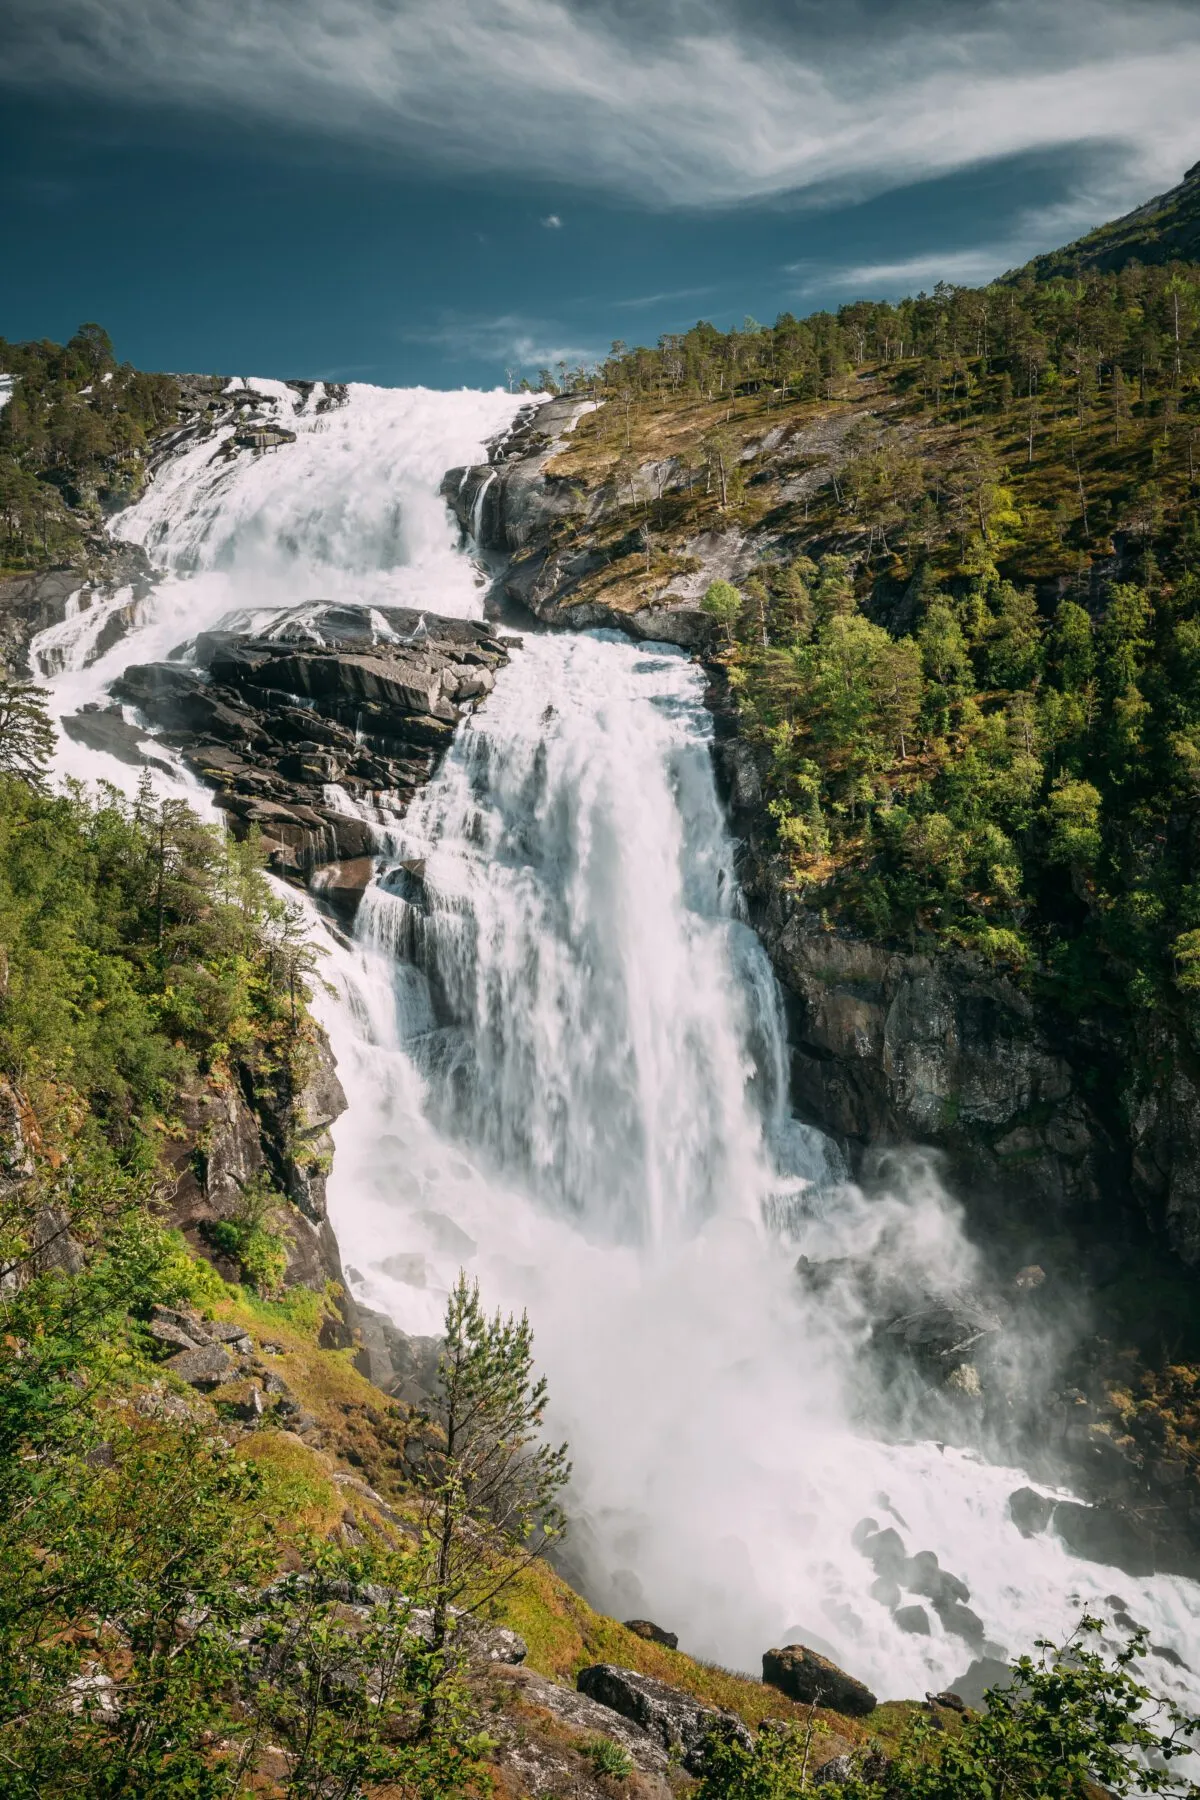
678	1721
1146	1539
404	1367
514	505
652	1633
263	1130
303	732
814	1680
32	603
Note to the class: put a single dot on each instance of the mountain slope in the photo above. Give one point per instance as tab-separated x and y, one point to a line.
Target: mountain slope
1165	229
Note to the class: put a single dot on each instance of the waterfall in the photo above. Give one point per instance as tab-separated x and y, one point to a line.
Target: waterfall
565	1059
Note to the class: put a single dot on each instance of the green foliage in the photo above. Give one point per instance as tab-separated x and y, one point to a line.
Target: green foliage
26	734
142	949
72	439
247	1236
491	1500
609	1758
1067	1720
970	661
723	602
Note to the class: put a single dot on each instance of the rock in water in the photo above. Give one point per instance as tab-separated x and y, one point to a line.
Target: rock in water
678	1721
803	1675
1030	1511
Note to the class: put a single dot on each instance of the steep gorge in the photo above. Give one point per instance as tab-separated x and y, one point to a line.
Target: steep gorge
617	1184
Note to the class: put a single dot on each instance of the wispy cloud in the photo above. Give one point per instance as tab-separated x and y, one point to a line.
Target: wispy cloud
698	103
552	222
966	266
509	341
687	293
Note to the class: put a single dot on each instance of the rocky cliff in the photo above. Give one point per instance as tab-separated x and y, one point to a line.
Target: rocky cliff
332	703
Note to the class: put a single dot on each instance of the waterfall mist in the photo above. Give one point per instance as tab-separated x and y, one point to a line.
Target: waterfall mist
566	1064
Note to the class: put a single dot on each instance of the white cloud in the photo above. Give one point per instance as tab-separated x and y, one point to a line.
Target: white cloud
687	293
552	222
689	105
510	341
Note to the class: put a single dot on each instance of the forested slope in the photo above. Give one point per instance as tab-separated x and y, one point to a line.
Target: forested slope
1163	230
962	613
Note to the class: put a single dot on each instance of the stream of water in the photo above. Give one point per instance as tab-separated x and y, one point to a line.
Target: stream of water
565	1059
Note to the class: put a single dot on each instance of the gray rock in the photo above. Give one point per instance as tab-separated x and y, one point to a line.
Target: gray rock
223	1331
913	1619
16	1151
803	1675
923	1575
206	1367
496	1644
1106	1534
166	1332
1030	1511
585	1717
984	1673
678	1721
52	1245
961	1622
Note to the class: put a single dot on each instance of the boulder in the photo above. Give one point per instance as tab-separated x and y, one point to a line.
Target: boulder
165	1331
653	1634
803	1675
333	713
678	1721
1106	1534
913	1619
1030	1511
494	1644
205	1367
224	1331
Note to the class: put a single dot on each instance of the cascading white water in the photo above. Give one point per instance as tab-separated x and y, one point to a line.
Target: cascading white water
608	1010
350	511
565	1064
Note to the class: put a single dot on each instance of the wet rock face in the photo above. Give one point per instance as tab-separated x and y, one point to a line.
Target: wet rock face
33	602
892	1048
335	698
509	502
1141	1539
403	1366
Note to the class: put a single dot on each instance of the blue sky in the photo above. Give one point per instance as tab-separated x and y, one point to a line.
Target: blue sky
403	191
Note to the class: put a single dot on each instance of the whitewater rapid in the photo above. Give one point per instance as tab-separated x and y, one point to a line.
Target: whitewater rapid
565	1061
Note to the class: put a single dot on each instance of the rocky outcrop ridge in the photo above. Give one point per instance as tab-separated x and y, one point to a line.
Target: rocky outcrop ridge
262	1129
680	1723
303	732
539	522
